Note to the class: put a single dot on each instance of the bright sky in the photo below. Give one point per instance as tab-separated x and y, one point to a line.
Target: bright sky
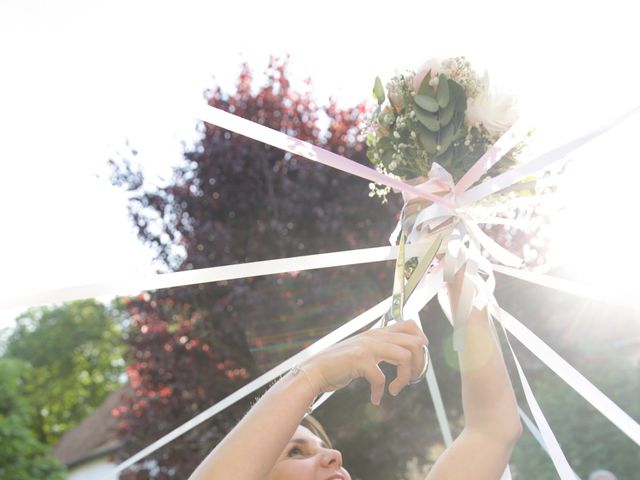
80	78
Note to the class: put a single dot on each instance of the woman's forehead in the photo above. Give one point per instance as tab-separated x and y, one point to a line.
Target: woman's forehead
303	434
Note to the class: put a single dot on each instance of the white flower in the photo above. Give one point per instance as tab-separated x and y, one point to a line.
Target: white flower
497	113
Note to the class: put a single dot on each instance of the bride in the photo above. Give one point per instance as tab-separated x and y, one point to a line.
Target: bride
276	441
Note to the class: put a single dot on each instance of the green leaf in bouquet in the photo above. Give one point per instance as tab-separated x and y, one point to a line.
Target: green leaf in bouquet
427	139
445	158
387	157
426	89
446	114
378	91
428	120
427	103
421	166
385	151
461	98
442	95
409	156
447	136
458	121
384	143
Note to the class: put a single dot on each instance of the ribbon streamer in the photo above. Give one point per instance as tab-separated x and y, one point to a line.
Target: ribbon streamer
501	254
500	182
492	156
131	286
271	267
438	405
507	179
533	429
560	284
277	139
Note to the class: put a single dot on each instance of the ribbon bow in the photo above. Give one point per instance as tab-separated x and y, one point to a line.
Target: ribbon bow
460	243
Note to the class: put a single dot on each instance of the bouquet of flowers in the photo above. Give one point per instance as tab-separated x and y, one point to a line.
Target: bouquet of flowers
444	113
429	129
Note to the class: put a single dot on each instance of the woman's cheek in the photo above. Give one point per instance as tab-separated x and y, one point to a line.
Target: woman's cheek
302	469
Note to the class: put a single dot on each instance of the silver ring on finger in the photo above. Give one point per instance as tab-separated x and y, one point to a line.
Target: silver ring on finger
424	369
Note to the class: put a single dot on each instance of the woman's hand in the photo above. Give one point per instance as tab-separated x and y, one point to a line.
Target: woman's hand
401	344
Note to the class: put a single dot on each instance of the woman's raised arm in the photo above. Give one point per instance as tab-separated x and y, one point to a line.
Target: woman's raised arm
492	426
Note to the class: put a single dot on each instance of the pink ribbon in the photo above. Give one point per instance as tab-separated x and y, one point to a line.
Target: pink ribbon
278	139
491	157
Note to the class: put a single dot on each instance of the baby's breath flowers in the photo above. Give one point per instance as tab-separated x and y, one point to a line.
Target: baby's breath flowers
443	113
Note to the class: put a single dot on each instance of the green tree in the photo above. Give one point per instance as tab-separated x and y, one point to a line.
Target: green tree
76	354
22	455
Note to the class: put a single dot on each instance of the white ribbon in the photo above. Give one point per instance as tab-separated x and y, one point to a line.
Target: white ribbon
438	405
500	182
533	429
493	155
507	473
564	285
293	145
271	267
134	285
465	305
496	251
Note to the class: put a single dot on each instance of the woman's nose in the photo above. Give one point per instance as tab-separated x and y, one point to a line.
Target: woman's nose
331	458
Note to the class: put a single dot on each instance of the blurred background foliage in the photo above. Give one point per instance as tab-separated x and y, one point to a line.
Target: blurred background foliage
58	365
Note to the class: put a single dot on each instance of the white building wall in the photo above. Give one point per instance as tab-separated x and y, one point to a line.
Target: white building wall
98	469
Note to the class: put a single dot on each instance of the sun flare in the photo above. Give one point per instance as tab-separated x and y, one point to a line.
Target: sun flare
595	236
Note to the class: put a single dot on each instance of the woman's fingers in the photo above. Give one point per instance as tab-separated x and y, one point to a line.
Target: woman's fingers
376	379
411	327
402	358
412	343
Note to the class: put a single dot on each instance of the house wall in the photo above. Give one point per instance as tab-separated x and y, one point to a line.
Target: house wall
100	468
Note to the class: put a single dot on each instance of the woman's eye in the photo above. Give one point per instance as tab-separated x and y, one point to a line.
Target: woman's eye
295	451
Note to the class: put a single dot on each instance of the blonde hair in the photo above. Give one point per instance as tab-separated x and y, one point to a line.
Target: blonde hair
316	428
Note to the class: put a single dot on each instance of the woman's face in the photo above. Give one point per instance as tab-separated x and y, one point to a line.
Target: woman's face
306	457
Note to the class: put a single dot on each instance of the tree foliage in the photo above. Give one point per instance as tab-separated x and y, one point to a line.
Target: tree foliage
76	356
22	455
